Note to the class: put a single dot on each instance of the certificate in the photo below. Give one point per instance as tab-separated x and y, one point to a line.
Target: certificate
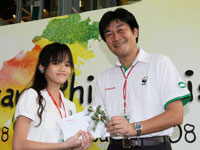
92	119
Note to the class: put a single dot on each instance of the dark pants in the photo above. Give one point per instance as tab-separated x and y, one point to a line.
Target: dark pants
164	146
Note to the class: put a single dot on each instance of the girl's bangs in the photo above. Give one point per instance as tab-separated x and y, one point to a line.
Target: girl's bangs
58	56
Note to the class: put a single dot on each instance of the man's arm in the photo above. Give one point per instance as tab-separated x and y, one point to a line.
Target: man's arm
172	116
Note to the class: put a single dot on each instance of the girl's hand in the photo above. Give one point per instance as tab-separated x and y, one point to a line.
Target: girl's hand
73	141
86	141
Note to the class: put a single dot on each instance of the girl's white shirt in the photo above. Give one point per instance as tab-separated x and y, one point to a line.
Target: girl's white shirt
49	130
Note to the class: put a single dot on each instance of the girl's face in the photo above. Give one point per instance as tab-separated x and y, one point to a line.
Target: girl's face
58	72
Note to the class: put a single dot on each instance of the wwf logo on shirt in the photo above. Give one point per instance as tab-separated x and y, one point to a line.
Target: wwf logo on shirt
144	80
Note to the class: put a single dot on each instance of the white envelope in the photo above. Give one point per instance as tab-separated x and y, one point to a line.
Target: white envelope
80	121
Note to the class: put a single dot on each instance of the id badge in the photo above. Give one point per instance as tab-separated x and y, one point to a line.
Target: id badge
127	117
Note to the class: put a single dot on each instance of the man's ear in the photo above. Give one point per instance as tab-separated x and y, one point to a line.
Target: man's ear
41	68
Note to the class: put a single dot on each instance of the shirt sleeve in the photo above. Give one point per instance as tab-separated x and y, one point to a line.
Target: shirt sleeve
27	105
172	85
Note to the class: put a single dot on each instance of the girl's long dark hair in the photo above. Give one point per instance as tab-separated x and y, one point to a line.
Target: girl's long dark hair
54	52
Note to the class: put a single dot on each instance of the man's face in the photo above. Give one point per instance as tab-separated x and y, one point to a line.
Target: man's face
120	38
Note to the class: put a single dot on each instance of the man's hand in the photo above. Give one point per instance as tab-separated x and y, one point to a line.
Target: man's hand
119	125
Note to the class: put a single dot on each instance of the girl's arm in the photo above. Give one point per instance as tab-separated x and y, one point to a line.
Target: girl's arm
20	141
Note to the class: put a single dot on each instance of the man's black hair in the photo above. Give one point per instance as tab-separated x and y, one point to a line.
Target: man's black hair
119	14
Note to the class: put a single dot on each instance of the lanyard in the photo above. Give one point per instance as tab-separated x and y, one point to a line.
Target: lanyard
57	104
125	85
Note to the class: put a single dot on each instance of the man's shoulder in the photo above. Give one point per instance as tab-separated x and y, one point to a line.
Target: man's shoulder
156	57
108	71
151	57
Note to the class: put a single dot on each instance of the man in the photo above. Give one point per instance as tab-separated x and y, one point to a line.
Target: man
143	93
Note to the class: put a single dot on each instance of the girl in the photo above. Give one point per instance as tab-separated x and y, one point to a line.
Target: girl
40	107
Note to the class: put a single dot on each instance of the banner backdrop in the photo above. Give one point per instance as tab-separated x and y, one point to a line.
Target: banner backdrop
170	27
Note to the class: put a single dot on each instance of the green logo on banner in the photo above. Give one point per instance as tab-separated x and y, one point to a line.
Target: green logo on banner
181	84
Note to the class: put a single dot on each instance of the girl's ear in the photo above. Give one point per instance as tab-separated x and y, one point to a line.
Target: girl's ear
135	32
41	68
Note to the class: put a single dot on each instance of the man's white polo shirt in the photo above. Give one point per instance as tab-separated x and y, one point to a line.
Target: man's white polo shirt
152	84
